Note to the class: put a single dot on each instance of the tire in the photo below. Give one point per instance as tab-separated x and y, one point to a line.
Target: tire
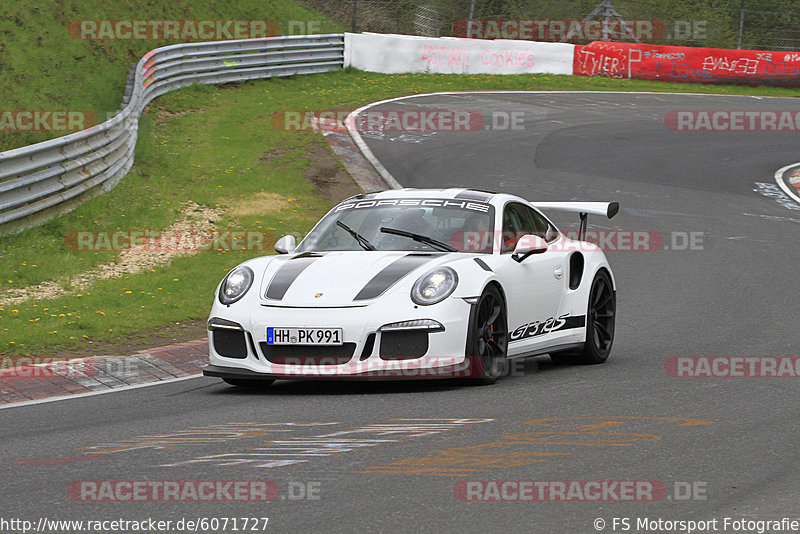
249	382
487	338
600	319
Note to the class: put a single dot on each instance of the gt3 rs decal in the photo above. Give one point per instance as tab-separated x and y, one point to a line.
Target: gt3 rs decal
391	274
551	324
287	274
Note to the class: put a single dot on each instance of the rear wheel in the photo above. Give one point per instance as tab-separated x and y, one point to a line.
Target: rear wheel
487	339
600	320
249	382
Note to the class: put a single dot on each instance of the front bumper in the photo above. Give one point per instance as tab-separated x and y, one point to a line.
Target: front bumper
238	348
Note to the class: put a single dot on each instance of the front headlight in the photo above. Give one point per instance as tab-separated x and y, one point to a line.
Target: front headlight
235	284
434	287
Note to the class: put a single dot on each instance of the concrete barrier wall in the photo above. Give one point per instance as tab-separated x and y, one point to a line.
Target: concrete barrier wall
396	54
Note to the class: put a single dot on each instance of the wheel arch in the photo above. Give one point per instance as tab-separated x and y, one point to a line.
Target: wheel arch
496	283
590	275
610	274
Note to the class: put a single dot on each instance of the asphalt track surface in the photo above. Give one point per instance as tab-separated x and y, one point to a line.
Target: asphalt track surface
732	440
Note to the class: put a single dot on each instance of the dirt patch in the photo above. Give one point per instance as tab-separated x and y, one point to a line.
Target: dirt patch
325	172
328	176
259	203
164	115
196	221
275	153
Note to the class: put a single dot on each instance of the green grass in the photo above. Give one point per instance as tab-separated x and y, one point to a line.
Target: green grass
206	145
43	68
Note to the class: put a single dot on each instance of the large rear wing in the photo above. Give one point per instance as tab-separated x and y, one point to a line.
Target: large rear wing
606	209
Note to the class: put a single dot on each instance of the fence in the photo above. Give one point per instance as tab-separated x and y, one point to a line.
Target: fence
42	180
744	24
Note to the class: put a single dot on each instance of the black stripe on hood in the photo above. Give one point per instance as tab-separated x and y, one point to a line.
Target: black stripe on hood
287	274
472	194
391	274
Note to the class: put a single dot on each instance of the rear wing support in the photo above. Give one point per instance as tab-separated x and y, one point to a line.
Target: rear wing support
606	209
584	224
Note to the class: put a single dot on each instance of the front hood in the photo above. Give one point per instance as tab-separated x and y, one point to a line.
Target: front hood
336	279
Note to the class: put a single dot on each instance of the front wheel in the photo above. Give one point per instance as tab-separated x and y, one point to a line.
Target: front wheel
487	338
600	318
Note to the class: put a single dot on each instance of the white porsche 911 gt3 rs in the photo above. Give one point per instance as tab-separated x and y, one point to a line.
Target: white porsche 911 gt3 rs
417	283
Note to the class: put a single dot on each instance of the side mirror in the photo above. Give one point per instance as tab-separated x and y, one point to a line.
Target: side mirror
286	244
527	245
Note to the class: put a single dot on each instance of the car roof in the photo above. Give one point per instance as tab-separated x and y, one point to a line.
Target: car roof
450	193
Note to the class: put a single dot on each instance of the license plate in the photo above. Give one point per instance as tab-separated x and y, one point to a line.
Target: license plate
304	336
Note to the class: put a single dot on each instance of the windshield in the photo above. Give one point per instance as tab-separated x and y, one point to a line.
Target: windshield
463	225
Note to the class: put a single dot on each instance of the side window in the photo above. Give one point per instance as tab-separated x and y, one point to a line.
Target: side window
519	220
542	228
515	224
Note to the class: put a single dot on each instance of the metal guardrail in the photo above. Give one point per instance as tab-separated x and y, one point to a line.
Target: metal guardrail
39	181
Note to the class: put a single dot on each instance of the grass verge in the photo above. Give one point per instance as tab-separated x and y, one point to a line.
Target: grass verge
44	66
